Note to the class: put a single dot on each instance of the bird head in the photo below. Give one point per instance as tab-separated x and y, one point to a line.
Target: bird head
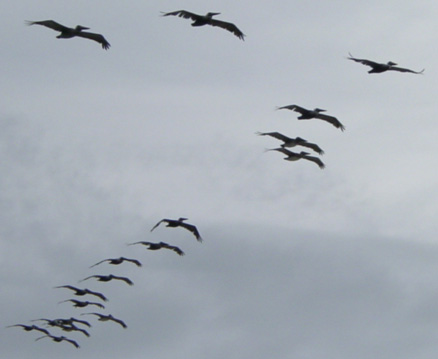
181	219
80	28
211	14
319	110
303	153
390	63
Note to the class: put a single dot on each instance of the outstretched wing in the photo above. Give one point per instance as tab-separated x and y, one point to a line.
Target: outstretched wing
313	146
228	26
135	261
333	120
163	220
105	260
282	150
173	248
50	24
401	69
182	13
193	229
276	135
363	61
95	37
125	279
294	108
316	160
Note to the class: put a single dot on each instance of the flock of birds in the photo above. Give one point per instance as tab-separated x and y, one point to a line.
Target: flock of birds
73	324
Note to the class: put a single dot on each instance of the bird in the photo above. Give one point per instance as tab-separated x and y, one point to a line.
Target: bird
156	246
293	156
85	291
28	328
104	318
292	142
59	339
315	113
68	32
117	261
377	68
107	278
207	19
173	223
82	304
62	322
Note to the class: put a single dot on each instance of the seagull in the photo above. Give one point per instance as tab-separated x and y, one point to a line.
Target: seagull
377	68
315	113
292	142
293	156
107	278
84	291
180	223
68	32
201	20
59	339
28	328
117	261
81	304
156	246
105	318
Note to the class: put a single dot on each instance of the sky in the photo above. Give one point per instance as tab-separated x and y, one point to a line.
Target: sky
297	262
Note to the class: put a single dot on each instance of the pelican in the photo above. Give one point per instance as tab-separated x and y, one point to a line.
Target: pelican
117	261
315	113
201	20
28	328
180	223
105	318
68	32
377	68
292	142
293	156
107	278
157	246
84	291
59	339
63	322
82	304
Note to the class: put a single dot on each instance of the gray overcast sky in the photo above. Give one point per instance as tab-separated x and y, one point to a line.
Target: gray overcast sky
97	146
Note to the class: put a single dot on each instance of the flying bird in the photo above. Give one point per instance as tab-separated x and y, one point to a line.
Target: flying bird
315	113
107	278
293	156
59	339
377	68
173	223
68	32
63	322
201	20
160	245
85	291
28	328
117	261
292	142
82	304
105	318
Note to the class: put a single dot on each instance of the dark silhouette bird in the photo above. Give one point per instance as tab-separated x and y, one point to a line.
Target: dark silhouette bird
107	278
377	68
315	113
62	322
201	20
85	291
68	32
293	156
292	142
82	304
173	223
109	317
117	261
59	339
28	328
160	245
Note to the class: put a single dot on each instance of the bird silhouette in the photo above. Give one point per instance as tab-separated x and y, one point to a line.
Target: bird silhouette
173	223
156	246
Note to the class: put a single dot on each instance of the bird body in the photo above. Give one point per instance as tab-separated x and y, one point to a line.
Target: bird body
207	19
68	32
107	278
109	317
156	246
82	304
85	291
377	68
117	261
28	328
59	339
315	113
173	223
292	142
294	156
